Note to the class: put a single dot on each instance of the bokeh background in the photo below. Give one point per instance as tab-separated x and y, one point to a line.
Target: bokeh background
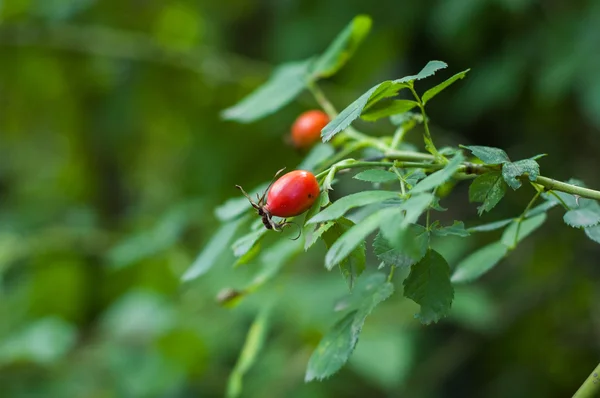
113	157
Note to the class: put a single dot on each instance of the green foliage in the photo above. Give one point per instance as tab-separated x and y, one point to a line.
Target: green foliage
337	345
512	170
587	214
520	229
388	108
439	177
376	175
479	262
488	188
428	285
353	262
456	229
432	92
343	205
408	248
488	155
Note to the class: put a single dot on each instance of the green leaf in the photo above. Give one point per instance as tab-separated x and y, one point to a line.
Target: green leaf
235	207
311	239
544	207
432	92
355	236
428	70
388	108
428	285
512	170
479	262
488	188
286	82
582	218
409	249
310	231
407	119
487	154
342	205
353	111
343	47
407	213
528	226
441	176
376	175
354	264
593	233
414	176
252	347
243	244
337	345
491	226
215	247
272	259
456	229
317	155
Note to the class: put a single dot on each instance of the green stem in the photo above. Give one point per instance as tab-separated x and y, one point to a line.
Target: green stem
556	185
322	100
391	274
429	145
398	136
591	386
522	217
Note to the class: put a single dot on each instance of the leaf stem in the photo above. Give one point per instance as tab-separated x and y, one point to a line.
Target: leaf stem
522	217
591	386
322	100
429	145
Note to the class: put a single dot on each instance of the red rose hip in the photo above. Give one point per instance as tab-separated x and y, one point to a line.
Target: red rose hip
292	194
306	130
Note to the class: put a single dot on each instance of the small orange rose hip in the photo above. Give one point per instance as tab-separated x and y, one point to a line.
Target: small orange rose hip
306	130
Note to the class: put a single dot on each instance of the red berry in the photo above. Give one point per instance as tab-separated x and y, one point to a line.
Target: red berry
306	130
292	194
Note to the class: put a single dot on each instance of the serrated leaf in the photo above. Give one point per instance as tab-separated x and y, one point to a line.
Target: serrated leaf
544	207
388	108
528	226
286	82
582	217
343	47
479	262
311	239
512	170
407	213
407	119
456	229
215	247
428	285
376	175
428	70
488	154
342	205
491	226
252	347
410	248
354	264
488	188
439	177
337	345
355	236
593	233
414	177
317	156
243	244
432	92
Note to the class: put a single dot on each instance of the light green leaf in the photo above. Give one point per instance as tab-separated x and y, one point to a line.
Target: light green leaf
428	70
356	236
410	248
272	259
342	205
388	108
428	285
376	175
582	217
310	230
488	188
593	233
487	154
311	239
544	207
491	226
439	177
432	92
479	262
215	247
354	264
252	347
343	47
317	155
286	82
337	345
512	170
243	244
394	227
235	207
456	229
407	120
528	226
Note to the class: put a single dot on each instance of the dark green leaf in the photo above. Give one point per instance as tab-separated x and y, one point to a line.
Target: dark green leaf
487	154
215	247
343	47
407	250
439	177
252	346
479	262
488	188
342	205
337	345
512	170
354	264
376	175
593	233
432	92
286	82
456	229
528	226
317	155
428	70
428	285
388	108
491	226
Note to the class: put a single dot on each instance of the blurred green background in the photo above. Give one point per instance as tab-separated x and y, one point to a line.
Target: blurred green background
113	157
